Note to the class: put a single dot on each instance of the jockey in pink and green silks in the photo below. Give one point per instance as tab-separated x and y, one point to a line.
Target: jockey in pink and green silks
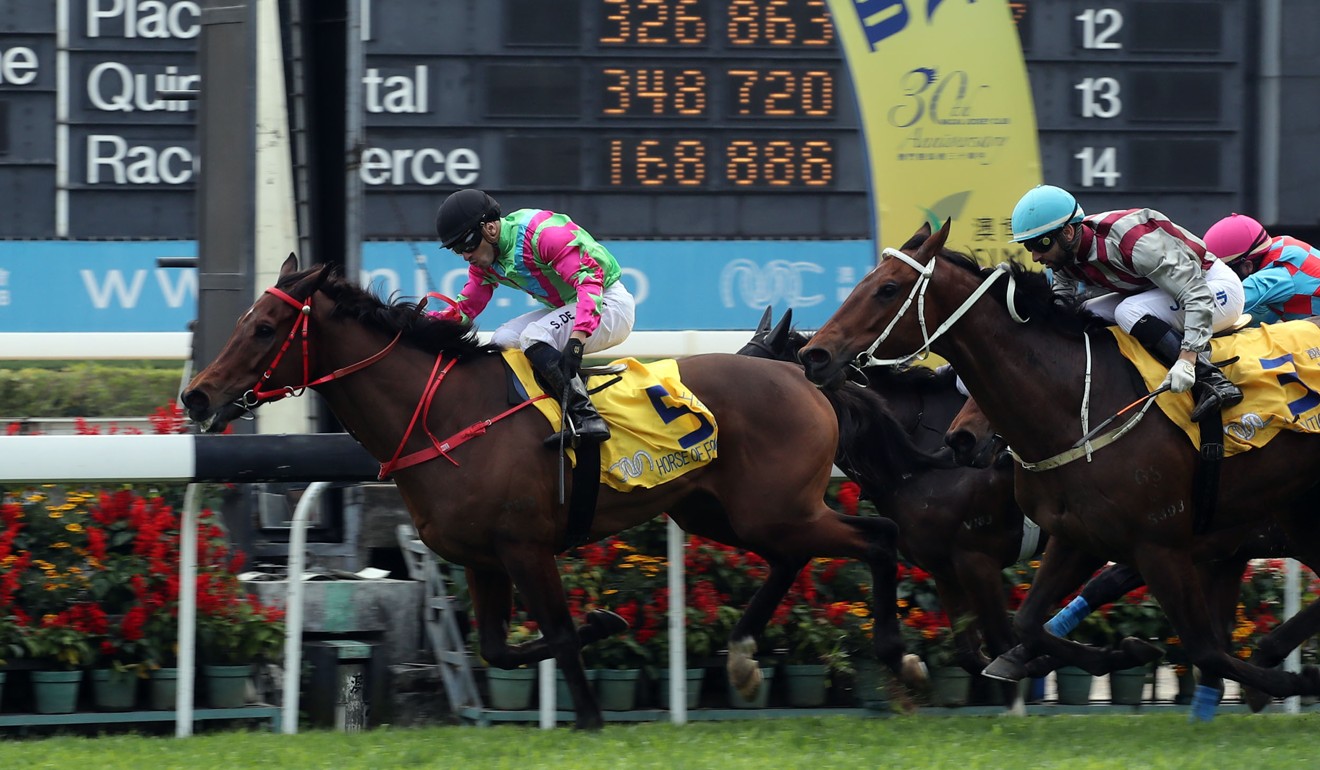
549	256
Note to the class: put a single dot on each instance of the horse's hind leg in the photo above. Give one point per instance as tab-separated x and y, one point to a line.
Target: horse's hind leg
744	674
1173	580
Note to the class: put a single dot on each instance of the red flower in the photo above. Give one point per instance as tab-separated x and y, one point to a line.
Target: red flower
849	495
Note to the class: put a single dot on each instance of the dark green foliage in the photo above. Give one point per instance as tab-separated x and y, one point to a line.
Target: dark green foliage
87	390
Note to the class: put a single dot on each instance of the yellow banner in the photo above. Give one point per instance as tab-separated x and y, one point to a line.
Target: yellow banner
947	114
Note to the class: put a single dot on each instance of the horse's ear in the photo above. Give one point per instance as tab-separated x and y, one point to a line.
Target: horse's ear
290	265
764	325
933	244
777	339
922	232
942	236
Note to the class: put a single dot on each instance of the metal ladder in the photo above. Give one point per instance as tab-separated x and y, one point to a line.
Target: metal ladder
440	619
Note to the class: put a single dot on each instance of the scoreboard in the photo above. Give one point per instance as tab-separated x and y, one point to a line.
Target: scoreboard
643	119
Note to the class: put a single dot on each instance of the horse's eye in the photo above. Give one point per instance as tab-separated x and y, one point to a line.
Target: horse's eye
264	330
887	291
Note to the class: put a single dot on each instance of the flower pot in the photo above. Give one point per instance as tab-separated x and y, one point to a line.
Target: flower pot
114	690
758	701
869	685
1127	686
56	692
1074	686
806	684
694	677
164	688
949	686
563	698
510	689
616	689
226	686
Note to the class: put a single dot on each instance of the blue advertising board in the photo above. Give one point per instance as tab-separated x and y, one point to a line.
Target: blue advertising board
115	286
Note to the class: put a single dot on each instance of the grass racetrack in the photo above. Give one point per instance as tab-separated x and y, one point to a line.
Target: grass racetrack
1121	742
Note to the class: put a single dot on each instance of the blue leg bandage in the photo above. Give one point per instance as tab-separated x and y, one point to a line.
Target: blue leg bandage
1205	701
1068	617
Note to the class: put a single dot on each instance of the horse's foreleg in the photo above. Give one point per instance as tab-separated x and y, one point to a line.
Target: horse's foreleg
1174	582
744	673
536	576
881	556
1223	585
1278	643
1062	569
985	597
492	610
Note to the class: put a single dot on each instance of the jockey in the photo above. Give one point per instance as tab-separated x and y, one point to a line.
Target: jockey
547	255
1169	293
1280	275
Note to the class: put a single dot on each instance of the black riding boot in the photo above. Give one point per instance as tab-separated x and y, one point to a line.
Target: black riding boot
1213	390
584	422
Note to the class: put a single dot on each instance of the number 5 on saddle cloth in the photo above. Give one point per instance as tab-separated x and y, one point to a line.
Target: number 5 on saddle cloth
660	430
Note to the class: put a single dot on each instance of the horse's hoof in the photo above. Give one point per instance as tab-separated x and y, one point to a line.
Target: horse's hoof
592	722
606	623
1009	667
913	672
747	682
1256	700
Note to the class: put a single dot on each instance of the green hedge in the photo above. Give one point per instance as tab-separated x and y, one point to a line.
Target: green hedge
87	390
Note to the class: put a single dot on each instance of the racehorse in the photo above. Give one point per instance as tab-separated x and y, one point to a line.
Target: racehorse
974	440
1030	363
960	524
491	503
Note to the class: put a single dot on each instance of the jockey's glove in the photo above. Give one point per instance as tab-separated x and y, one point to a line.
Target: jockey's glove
571	360
1181	376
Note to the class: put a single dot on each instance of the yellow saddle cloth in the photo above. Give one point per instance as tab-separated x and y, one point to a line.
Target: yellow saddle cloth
659	429
1278	370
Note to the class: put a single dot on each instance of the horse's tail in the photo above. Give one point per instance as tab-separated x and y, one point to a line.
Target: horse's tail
874	448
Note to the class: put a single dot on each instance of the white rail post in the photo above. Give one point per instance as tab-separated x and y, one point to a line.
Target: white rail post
293	606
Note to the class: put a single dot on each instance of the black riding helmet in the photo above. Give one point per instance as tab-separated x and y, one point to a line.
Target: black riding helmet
461	213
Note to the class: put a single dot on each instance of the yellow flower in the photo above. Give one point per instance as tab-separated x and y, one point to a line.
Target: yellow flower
42	564
54	514
73	526
60	544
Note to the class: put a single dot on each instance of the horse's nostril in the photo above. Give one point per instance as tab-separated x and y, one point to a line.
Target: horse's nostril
195	400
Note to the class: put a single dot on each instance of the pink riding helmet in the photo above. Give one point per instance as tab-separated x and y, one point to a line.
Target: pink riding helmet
1236	236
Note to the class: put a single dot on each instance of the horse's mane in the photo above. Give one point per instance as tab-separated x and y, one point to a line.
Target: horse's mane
426	332
1034	297
921	379
875	448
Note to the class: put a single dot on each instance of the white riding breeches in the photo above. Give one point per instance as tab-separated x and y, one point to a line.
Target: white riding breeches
1226	298
554	325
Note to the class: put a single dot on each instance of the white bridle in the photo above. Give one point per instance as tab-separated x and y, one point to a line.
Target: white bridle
924	273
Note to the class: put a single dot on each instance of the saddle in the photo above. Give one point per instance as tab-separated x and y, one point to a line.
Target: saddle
659	429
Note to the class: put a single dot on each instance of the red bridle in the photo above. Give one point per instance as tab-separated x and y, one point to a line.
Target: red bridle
302	323
438	448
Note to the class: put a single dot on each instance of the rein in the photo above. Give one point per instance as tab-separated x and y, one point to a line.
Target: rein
1084	446
438	448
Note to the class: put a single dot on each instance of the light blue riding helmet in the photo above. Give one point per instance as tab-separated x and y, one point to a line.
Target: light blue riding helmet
1045	208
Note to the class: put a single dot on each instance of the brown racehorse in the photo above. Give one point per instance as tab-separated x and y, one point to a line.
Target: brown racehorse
1025	360
492	505
974	442
960	524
